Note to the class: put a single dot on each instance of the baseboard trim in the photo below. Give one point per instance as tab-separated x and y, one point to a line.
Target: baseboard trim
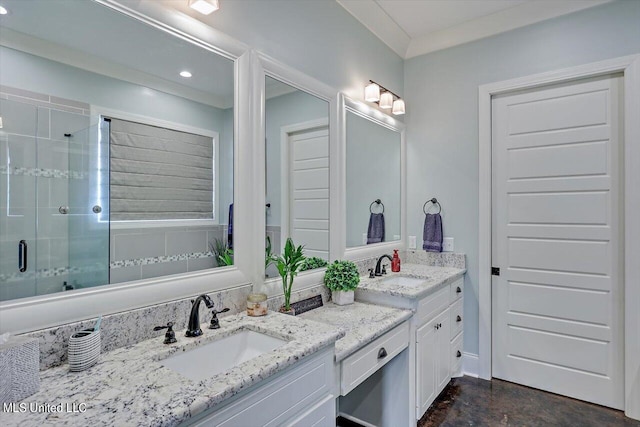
470	363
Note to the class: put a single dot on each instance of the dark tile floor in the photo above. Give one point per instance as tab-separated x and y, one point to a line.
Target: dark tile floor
469	401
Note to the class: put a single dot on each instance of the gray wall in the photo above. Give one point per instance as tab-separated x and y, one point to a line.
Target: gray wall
373	172
317	37
442	119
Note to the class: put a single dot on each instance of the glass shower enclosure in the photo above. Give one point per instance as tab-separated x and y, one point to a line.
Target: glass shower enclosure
54	197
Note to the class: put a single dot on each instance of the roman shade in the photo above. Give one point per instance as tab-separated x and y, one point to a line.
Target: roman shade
159	173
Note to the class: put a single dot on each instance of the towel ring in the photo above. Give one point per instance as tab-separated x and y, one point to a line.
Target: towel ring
377	202
435	202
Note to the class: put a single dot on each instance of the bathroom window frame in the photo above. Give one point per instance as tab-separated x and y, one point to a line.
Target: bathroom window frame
16	316
339	199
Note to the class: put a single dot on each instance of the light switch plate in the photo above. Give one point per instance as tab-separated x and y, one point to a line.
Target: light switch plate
412	242
364	238
447	244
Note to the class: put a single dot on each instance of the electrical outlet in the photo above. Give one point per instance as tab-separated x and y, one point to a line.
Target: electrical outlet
447	244
412	242
364	238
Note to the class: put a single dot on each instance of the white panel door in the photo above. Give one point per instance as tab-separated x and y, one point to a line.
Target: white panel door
309	191
557	303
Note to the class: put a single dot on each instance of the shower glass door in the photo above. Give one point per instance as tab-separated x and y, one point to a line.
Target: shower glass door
89	207
54	232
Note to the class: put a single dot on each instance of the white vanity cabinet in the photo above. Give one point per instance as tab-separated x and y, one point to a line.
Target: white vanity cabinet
438	343
299	396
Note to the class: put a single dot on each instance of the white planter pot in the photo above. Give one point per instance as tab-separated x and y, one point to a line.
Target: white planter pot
342	297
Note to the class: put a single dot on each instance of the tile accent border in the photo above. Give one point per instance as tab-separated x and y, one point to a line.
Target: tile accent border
159	259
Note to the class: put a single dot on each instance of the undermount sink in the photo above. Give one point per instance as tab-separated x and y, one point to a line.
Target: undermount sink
221	355
411	282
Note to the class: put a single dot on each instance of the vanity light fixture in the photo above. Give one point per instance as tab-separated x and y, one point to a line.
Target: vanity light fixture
398	107
385	100
3	10
206	7
186	74
372	92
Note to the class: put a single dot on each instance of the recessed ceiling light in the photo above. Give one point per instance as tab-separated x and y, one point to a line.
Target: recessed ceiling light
204	6
185	74
3	11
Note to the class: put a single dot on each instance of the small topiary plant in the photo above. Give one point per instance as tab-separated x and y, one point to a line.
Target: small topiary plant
342	276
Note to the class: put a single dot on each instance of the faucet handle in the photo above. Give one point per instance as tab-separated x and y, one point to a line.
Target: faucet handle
170	336
215	322
371	275
384	268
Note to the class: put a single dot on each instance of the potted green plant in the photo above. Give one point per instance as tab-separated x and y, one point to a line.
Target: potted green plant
288	265
312	263
342	278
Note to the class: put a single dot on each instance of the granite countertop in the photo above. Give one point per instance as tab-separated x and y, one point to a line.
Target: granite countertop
363	323
129	386
434	279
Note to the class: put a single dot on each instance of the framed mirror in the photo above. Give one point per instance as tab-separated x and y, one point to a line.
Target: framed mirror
374	181
116	150
297	173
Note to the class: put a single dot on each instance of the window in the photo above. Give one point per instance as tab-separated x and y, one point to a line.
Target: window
159	173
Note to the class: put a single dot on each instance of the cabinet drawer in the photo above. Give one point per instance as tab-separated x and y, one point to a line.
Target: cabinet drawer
431	306
456	289
360	365
456	318
456	356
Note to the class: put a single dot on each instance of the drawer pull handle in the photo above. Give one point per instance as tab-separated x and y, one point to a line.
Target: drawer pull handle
458	290
382	353
458	354
458	318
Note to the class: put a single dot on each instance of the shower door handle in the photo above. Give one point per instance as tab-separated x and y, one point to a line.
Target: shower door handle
22	256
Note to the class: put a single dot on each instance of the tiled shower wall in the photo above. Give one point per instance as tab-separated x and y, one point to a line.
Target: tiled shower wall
142	253
34	178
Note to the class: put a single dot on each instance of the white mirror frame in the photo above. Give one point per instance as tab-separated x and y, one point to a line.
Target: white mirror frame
264	67
38	312
339	198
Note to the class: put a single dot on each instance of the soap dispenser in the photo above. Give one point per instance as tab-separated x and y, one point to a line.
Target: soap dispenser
395	262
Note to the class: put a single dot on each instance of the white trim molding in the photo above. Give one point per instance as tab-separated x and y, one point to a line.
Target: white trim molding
470	364
339	173
630	67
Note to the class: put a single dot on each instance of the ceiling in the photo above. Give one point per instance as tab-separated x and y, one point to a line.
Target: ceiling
417	27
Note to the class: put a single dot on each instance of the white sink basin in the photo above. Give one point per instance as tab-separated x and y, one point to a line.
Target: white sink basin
411	282
221	355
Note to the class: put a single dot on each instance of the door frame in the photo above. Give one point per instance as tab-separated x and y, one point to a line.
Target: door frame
630	67
285	134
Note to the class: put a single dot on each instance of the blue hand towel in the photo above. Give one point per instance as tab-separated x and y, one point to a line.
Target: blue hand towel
432	233
230	228
375	232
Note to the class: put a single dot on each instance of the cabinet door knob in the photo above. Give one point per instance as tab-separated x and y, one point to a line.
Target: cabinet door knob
458	354
458	290
382	353
458	318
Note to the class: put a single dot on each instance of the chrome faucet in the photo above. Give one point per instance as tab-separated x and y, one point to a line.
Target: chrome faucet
378	271
194	318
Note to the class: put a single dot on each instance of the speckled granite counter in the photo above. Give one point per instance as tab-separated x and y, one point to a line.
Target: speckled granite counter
129	386
434	279
363	323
